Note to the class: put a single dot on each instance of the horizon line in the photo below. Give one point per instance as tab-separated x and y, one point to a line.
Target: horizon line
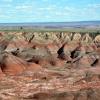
50	22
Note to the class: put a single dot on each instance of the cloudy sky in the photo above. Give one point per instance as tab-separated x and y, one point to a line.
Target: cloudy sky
48	10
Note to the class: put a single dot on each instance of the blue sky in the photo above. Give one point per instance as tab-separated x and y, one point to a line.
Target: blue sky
48	10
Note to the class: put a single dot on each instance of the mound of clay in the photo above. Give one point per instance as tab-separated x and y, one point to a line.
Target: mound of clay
33	67
77	37
97	38
13	65
86	38
52	48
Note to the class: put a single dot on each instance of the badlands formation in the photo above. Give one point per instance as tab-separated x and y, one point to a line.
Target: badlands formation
49	66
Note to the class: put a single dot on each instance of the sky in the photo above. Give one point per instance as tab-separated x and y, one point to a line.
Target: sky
19	11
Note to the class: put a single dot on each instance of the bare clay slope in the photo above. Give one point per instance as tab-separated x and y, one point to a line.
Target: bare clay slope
49	66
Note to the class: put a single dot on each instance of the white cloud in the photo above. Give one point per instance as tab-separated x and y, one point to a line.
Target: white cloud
24	8
43	8
62	13
49	8
34	11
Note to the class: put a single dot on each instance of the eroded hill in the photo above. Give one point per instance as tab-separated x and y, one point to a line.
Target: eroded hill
49	66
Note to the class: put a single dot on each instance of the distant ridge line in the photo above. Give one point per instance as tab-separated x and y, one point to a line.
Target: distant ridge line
53	24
